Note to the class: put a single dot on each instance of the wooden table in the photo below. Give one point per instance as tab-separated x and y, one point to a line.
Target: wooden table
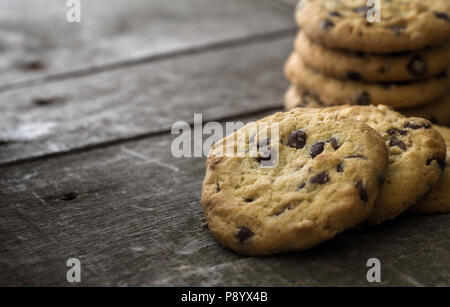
86	111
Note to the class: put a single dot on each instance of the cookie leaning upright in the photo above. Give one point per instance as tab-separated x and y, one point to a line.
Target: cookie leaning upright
304	199
438	199
405	25
416	155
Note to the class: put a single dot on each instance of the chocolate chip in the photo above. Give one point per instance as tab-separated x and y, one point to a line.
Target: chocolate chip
217	188
244	234
442	75
320	178
417	66
394	131
416	126
297	139
317	149
396	142
356	157
362	192
326	24
353	75
301	186
335	143
441	162
382	70
363	99
397	30
442	15
248	200
335	14
308	97
340	168
320	102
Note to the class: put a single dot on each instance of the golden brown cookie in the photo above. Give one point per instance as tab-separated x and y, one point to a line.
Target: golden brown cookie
437	112
438	200
334	91
405	25
317	189
416	155
358	66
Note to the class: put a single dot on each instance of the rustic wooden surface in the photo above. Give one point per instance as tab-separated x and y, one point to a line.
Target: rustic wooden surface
85	163
112	34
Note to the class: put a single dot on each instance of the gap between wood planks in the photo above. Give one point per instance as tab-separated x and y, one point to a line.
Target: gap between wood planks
243	41
125	140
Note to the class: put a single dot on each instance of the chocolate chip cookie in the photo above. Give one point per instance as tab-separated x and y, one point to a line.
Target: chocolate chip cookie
326	180
437	112
438	199
416	155
333	91
359	66
405	25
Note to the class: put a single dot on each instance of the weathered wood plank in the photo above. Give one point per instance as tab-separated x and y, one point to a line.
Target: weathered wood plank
138	100
37	41
131	213
290	3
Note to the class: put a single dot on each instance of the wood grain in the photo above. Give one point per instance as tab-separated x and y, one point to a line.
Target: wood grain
289	3
141	100
131	213
36	41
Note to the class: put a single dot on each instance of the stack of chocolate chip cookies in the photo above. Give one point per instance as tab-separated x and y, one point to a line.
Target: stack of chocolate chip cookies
342	56
332	169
